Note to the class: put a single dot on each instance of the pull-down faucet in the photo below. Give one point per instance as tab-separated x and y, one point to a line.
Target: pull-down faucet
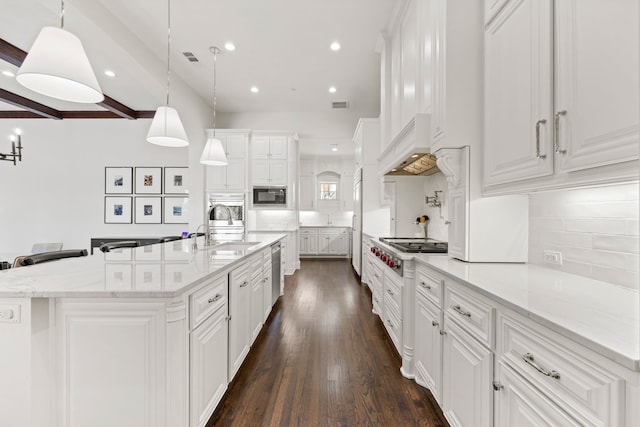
227	210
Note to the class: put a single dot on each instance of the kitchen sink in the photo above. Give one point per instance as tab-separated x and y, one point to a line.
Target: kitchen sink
234	246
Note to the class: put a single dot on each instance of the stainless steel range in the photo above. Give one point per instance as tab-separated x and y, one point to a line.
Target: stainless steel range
407	245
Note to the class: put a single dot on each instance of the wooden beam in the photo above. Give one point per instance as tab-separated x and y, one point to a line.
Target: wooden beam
117	108
29	105
11	54
20	115
74	115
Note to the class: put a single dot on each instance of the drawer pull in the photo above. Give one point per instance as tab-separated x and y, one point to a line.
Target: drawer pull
528	359
389	323
443	333
389	292
215	298
434	323
461	311
424	285
244	284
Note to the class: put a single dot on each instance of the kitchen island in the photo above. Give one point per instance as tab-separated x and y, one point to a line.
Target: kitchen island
148	336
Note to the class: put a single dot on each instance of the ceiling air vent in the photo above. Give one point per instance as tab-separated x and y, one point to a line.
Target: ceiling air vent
340	104
190	56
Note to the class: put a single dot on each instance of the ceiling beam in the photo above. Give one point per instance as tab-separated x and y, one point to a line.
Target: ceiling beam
14	55
14	114
29	105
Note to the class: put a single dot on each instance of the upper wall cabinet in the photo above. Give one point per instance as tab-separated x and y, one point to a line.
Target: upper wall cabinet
269	155
561	96
233	176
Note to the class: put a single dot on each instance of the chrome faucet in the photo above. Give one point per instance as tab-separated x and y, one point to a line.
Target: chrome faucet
227	210
207	237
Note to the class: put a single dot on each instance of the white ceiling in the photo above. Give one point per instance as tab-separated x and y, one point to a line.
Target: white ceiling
282	47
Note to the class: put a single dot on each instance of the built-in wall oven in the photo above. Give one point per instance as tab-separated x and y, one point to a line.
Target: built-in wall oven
226	216
270	196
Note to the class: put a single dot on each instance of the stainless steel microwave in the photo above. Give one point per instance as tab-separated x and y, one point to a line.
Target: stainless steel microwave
270	196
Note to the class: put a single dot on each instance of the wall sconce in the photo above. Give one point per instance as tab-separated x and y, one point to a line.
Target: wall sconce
14	155
434	201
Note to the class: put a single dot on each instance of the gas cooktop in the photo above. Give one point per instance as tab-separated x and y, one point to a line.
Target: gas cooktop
416	245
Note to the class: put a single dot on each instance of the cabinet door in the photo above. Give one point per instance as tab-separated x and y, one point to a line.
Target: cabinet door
304	244
458	206
518	88
312	245
260	172
428	347
260	147
257	306
518	403
235	147
307	192
239	324
323	244
266	294
216	178
278	147
597	92
235	174
278	172
208	370
467	375
347	192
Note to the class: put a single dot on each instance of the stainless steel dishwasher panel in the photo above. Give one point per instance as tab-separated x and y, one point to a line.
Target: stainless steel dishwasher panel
275	272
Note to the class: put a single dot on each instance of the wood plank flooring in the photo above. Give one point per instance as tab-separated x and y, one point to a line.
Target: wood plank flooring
324	359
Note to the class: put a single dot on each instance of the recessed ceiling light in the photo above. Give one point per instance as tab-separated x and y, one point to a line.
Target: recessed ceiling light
230	46
415	155
334	147
109	73
335	46
394	170
332	89
255	89
8	73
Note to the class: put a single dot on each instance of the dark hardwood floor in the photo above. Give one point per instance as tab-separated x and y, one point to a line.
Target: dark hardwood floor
323	359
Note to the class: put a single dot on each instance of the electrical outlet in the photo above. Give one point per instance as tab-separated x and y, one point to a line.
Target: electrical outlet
553	257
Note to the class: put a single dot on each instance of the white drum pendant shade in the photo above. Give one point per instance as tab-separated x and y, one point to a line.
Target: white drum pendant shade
213	153
57	66
166	129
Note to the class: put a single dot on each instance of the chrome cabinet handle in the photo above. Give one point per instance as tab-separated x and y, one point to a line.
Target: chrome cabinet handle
538	123
434	323
556	136
447	222
424	285
461	311
244	284
389	292
528	359
443	333
389	323
215	298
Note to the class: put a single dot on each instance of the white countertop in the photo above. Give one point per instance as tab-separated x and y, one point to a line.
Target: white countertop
602	316
159	270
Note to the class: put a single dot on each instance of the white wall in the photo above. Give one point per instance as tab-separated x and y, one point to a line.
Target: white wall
596	229
436	228
56	194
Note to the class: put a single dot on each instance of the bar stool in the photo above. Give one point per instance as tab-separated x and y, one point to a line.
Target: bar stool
22	261
106	247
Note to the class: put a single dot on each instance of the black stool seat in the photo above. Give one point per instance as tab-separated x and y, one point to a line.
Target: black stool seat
106	247
51	256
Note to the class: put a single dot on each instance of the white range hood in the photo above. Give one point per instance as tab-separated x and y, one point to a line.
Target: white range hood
409	154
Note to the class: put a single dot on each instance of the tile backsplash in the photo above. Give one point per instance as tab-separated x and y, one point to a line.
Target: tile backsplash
595	229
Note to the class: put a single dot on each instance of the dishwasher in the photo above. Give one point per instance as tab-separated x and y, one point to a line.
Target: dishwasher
275	272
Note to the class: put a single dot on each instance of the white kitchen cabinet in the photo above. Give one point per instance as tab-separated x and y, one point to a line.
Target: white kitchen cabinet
257	300
562	105
208	371
233	176
308	241
467	377
240	317
428	344
307	193
327	241
269	147
269	155
346	192
520	404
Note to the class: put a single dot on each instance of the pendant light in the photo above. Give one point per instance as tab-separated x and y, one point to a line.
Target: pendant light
213	153
57	66
166	128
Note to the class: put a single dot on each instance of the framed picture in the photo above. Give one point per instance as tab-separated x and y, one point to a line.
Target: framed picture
117	210
118	180
148	210
176	180
176	210
148	180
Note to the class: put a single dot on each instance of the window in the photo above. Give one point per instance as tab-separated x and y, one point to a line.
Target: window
328	191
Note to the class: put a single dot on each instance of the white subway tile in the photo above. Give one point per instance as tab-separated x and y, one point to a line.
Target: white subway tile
626	209
616	243
599	226
601	194
579	268
596	257
537	225
627	279
581	240
633	227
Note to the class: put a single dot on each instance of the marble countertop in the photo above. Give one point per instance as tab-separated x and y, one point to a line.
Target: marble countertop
154	271
599	315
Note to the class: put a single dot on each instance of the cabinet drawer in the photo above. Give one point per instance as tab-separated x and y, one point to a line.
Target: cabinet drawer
207	300
308	231
256	266
394	327
471	312
393	290
577	384
376	301
390	305
429	284
329	231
